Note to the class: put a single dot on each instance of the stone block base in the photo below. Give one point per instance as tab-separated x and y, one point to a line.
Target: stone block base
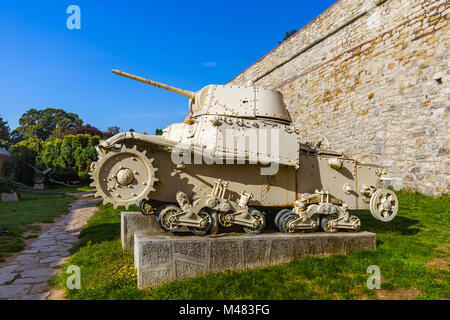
163	258
10	196
132	222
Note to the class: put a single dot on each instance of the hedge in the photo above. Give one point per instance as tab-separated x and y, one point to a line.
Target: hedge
69	157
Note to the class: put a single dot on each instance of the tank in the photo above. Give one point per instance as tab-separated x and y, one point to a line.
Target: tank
237	159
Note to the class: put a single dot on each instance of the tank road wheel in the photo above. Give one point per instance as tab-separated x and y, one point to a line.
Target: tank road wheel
316	221
260	222
284	222
326	223
124	177
384	205
166	218
279	215
222	221
207	228
355	220
145	207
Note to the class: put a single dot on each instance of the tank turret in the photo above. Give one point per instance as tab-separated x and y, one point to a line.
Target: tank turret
228	100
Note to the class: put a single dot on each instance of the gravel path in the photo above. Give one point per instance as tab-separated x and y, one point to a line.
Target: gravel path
25	277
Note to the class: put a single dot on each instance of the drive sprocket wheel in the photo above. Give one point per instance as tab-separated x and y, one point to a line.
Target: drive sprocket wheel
124	177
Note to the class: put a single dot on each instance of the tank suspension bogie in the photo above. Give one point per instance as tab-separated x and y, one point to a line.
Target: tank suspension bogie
313	211
199	216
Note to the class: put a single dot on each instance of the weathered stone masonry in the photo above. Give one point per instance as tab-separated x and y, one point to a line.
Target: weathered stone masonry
372	77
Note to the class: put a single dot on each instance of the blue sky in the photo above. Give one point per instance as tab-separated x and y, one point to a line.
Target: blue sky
188	44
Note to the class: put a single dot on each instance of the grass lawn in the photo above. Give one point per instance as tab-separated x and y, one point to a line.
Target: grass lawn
412	253
71	189
21	218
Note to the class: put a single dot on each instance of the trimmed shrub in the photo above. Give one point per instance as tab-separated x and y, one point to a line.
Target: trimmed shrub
69	157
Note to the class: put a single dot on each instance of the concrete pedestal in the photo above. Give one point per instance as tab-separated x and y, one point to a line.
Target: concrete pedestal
10	196
163	258
132	222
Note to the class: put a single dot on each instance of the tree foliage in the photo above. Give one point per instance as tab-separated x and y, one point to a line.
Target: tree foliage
287	35
41	124
23	154
4	133
112	131
51	138
70	157
83	129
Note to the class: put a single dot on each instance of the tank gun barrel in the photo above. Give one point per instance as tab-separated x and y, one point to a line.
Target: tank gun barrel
185	93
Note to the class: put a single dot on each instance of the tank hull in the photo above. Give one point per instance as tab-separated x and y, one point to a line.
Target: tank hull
279	190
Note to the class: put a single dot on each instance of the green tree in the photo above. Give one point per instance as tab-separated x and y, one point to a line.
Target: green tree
83	129
22	154
112	131
158	132
4	133
42	124
70	157
288	35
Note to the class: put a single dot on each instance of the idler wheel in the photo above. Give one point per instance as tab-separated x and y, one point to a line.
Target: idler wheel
384	205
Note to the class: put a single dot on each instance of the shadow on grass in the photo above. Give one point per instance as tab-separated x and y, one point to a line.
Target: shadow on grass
400	225
97	233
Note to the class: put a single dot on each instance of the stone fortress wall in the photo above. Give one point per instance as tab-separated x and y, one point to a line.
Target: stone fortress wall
372	77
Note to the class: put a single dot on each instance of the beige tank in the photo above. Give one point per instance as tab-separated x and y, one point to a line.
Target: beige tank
236	157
